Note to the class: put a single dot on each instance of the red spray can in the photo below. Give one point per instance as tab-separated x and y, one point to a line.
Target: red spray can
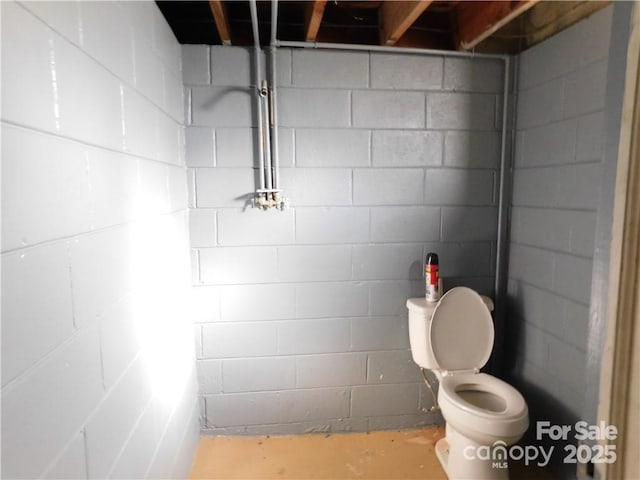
431	275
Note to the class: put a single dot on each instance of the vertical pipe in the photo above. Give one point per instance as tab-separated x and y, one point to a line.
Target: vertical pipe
503	222
274	100
257	68
267	140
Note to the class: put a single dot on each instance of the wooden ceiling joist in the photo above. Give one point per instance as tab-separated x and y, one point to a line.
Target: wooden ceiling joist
478	20
396	17
219	12
314	13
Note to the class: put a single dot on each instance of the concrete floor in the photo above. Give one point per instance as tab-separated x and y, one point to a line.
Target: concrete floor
405	454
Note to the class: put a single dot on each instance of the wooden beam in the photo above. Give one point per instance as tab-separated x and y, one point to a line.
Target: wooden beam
480	19
397	16
219	12
314	13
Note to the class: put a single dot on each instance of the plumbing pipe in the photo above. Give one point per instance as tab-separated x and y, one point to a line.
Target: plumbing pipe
264	96
274	100
378	48
257	67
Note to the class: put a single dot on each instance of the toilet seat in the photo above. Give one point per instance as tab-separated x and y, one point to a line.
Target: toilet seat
510	421
514	404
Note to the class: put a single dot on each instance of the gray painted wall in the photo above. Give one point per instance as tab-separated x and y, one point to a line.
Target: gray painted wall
561	123
98	377
302	318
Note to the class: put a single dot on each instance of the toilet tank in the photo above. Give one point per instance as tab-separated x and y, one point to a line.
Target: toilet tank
420	312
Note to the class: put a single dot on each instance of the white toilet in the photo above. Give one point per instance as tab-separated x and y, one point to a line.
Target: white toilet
453	338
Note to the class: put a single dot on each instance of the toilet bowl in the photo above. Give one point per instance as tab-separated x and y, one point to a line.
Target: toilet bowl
454	338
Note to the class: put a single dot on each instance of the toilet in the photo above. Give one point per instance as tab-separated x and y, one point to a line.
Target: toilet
453	338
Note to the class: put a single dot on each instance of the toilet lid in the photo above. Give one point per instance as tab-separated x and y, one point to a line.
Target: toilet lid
461	331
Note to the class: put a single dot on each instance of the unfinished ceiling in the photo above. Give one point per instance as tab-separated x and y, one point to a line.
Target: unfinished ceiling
481	26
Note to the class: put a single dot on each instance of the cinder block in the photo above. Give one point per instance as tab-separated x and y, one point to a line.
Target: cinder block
583	227
553	58
550	144
36	294
238	265
533	344
472	149
392	367
313	336
379	333
532	265
228	340
85	87
45	188
461	111
27	94
231	66
202	227
258	374
173	101
236	147
576	324
405	72
255	227
405	224
108	430
224	187
585	89
195	65
395	422
178	194
314	263
120	342
51	404
462	259
140	125
344	369
283	74
332	148
197	340
596	36
390	297
222	106
72	463
154	188
590	137
314	108
331	299
572	277
257	302
379	400
200	147
380	109
469	224
63	18
541	104
114	181
149	70
577	186
473	75
380	186
107	38
387	262
323	225
136	456
535	187
242	409
317	186
204	304
315	404
544	228
567	364
209	376
541	308
459	187
100	272
397	148
330	69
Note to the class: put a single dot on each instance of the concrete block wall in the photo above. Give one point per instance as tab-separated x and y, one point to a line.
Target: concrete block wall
301	318
557	175
98	376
